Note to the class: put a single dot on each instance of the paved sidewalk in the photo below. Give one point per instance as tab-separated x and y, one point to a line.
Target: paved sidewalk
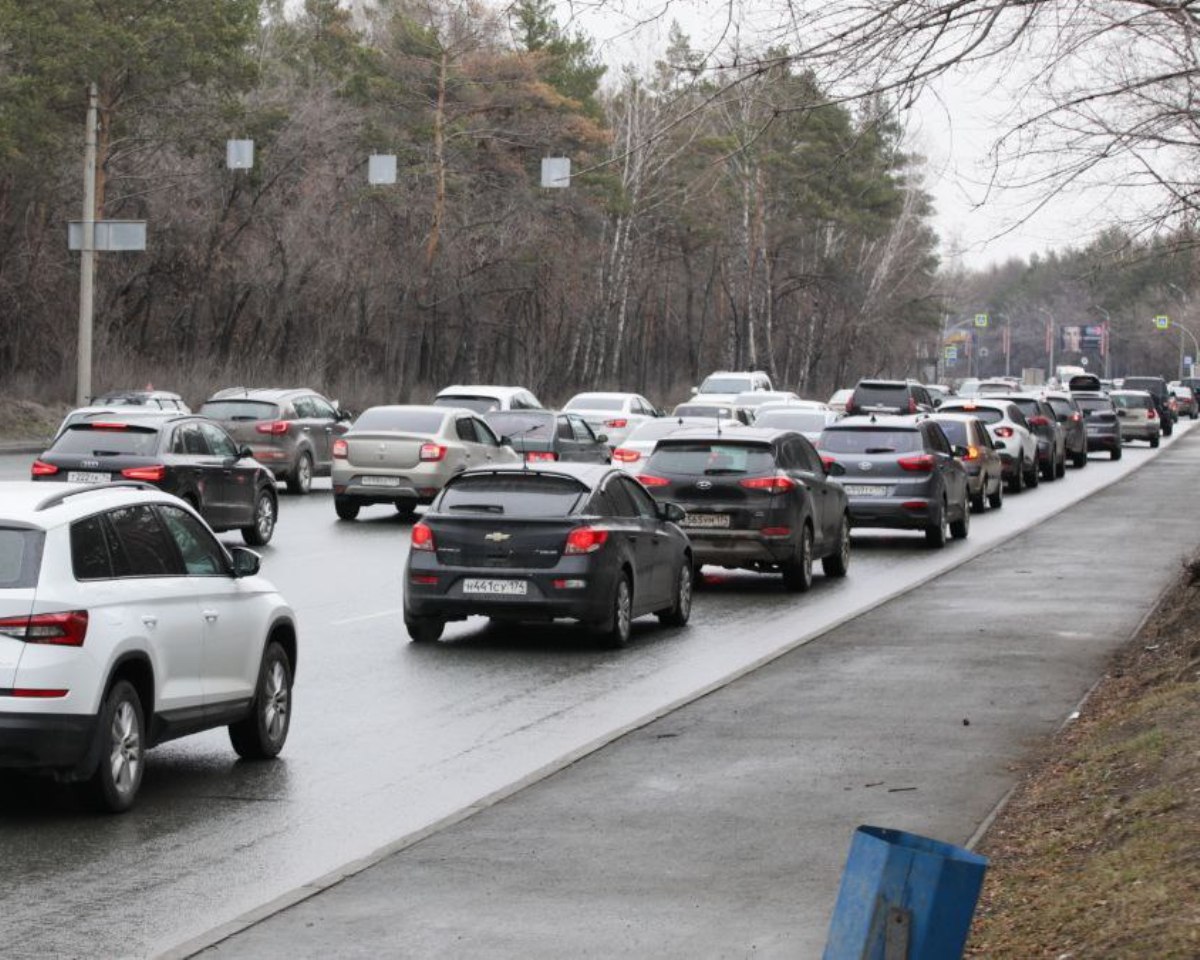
721	829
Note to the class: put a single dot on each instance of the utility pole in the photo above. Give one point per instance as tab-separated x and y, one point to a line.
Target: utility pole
87	262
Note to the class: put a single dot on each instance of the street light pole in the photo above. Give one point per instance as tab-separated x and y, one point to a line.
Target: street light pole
87	260
1107	340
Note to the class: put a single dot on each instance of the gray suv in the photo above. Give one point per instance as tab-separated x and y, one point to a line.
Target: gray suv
290	431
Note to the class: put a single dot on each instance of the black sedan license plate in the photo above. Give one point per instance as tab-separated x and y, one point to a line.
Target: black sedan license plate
503	588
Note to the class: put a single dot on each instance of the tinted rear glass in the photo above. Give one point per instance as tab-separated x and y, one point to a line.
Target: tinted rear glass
20	557
710	458
402	421
726	385
240	410
517	494
531	426
1092	404
986	414
1027	407
84	440
476	404
589	402
881	395
1124	402
806	421
866	440
955	431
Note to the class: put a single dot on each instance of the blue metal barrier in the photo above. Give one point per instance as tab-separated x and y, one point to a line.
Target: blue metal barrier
904	897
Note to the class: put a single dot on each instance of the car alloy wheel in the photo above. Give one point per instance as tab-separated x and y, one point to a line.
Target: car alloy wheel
798	573
301	479
118	775
680	610
837	564
261	734
265	513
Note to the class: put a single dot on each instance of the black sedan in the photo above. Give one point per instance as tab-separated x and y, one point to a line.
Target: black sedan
543	542
190	457
544	435
756	499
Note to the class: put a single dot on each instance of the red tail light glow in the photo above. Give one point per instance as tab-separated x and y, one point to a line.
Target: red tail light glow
972	453
624	455
151	474
534	456
776	531
1039	421
1004	431
1151	414
648	481
43	469
829	462
424	579
775	484
585	540
1075	417
109	425
432	452
38	694
920	463
341	449
616	424
57	629
422	537
273	427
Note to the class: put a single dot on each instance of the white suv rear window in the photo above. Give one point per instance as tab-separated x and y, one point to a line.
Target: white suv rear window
20	558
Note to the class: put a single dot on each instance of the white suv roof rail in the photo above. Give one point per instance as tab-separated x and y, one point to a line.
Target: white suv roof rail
57	498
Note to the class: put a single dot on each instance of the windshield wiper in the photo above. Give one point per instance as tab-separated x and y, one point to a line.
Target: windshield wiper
880	450
478	507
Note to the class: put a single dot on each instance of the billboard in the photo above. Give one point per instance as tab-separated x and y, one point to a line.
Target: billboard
1081	338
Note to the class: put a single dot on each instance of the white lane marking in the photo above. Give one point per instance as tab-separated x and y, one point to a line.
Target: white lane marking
368	616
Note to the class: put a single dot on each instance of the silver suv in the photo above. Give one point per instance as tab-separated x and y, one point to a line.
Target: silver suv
290	431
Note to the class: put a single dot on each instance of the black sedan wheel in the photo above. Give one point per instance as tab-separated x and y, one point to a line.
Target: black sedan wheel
616	629
837	564
959	529
424	629
678	613
347	509
266	512
798	573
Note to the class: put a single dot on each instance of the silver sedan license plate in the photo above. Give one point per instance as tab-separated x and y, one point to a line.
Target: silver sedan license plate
504	588
706	520
381	481
87	476
865	490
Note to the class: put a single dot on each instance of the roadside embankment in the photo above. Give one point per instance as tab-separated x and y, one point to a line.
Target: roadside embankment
27	424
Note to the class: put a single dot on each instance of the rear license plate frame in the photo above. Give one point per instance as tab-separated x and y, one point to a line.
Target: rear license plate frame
487	587
706	521
379	481
88	476
871	490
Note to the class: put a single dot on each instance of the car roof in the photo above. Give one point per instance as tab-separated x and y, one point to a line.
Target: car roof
145	418
590	474
261	393
956	417
603	395
866	421
885	383
968	403
481	390
48	505
1129	393
148	394
756	434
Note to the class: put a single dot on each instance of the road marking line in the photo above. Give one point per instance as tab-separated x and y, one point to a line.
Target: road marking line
369	616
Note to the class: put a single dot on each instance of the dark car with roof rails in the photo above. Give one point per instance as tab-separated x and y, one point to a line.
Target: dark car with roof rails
1070	419
185	455
1101	424
292	431
1157	388
1051	438
901	473
889	397
543	435
148	398
755	499
545	541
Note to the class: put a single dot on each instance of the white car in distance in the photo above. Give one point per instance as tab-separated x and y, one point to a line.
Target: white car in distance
613	414
724	385
632	455
125	623
482	398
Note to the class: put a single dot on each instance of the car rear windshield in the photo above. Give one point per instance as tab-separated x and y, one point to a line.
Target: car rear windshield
871	440
533	426
986	414
240	410
1061	408
710	458
1027	407
20	557
591	402
401	421
955	431
1128	402
893	396
513	494
806	421
89	440
726	385
1094	404
654	429
464	401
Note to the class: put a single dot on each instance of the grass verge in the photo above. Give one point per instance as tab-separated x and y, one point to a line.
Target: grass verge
29	420
1098	852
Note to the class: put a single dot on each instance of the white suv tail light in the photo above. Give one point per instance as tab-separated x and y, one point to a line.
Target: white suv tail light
59	629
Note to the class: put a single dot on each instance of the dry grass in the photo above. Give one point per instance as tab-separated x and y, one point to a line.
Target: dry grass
1098	854
29	420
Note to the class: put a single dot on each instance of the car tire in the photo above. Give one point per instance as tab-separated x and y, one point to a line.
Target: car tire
1034	476
978	501
680	610
1154	441
1079	460
1115	453
299	481
424	629
614	631
837	564
346	508
1168	428
1193	415
798	573
406	508
1061	470
114	784
266	514
261	734
961	529
936	534
1049	470
996	500
1016	482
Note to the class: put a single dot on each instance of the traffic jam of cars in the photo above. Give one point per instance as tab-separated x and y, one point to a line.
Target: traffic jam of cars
603	511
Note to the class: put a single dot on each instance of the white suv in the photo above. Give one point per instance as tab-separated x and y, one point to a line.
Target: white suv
125	623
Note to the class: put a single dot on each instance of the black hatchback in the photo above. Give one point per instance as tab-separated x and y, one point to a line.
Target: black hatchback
754	498
190	457
543	542
546	435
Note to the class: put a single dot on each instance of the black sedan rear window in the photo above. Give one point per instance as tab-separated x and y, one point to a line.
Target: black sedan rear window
20	557
519	424
1061	408
513	495
400	420
240	410
866	440
90	440
893	396
710	458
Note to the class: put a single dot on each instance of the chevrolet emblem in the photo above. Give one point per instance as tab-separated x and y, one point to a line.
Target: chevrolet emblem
498	537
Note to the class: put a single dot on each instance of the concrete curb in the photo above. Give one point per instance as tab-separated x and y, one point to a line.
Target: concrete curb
23	446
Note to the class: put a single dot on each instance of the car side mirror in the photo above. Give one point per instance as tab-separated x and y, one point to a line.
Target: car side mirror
246	563
961	452
344	415
602	438
832	468
670	512
695	390
245	453
506	441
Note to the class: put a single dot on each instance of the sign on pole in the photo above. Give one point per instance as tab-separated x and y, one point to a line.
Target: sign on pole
109	235
981	319
556	172
951	354
239	154
1162	321
381	169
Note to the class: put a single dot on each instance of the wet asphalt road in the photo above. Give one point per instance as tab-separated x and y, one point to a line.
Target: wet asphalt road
390	739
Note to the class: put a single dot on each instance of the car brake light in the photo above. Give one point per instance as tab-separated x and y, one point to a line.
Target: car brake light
1075	418
540	455
1151	414
828	462
1039	421
624	455
273	427
422	537
775	484
152	474
851	406
58	629
972	453
432	452
424	579
585	540
1004	431
776	531
921	463
38	694
648	481
615	424
341	449
109	425
43	469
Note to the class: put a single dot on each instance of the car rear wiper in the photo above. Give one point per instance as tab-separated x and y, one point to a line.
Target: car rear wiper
722	471
243	417
478	507
880	450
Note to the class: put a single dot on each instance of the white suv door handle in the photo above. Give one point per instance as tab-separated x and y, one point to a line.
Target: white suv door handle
150	621
211	615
